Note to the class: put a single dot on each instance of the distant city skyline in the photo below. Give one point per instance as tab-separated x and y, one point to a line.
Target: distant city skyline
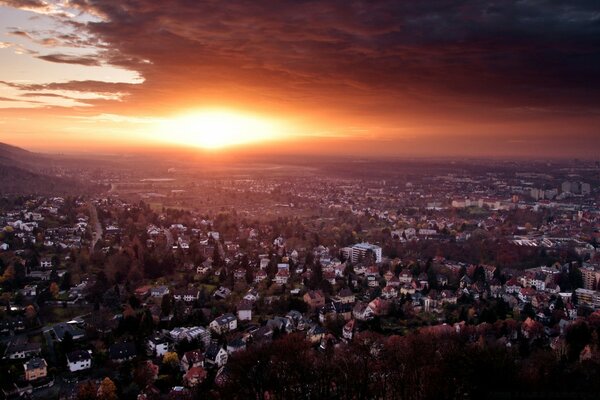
433	78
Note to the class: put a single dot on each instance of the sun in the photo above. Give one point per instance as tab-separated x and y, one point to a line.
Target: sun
216	129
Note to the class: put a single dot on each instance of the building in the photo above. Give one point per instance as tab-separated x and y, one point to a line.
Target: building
591	276
35	368
79	360
158	345
314	298
159	291
244	310
20	348
224	323
192	359
359	251
188	295
588	298
216	355
64	328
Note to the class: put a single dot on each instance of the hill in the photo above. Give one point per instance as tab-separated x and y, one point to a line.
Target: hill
23	172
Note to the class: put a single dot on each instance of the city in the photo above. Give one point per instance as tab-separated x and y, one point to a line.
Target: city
151	287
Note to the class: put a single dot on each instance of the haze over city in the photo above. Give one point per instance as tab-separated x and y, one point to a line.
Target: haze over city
435	78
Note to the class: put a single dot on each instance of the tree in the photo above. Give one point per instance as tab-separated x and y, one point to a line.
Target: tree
54	290
166	305
107	390
171	359
87	391
30	312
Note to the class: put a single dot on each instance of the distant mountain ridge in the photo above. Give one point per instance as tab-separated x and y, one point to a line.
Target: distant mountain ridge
23	172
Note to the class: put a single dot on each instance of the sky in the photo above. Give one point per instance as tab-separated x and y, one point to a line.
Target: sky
393	78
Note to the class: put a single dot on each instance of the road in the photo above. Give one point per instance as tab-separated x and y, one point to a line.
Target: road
96	227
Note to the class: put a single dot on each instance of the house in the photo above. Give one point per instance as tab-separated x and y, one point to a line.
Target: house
389	292
264	334
388	276
121	352
20	348
405	276
79	360
64	328
190	333
142	291
215	355
188	295
244	310
314	299
192	359
194	376
362	312
379	306
224	323
282	276
222	293
295	317
29	291
343	310
35	368
346	296
348	331
157	345
316	333
327	312
260	276
236	345
159	291
252	295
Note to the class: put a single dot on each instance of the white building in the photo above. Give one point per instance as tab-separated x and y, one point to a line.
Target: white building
224	323
79	360
158	346
360	250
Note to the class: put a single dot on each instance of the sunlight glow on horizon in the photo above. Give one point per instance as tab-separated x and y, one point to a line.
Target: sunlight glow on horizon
214	129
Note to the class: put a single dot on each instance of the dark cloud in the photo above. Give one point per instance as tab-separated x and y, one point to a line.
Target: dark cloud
481	60
28	4
409	55
70	59
17	32
78	86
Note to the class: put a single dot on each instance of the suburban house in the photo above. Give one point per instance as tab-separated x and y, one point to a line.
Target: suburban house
159	291
157	345
188	295
192	359
79	360
314	298
21	348
35	368
215	355
224	323
244	310
362	312
64	328
236	345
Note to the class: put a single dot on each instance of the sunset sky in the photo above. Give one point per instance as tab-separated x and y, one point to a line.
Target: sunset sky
422	78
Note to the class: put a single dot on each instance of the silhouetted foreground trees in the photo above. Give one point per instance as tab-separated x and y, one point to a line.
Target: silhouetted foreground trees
418	366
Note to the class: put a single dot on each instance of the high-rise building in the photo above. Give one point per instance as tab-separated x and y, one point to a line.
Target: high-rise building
591	277
360	250
585	188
